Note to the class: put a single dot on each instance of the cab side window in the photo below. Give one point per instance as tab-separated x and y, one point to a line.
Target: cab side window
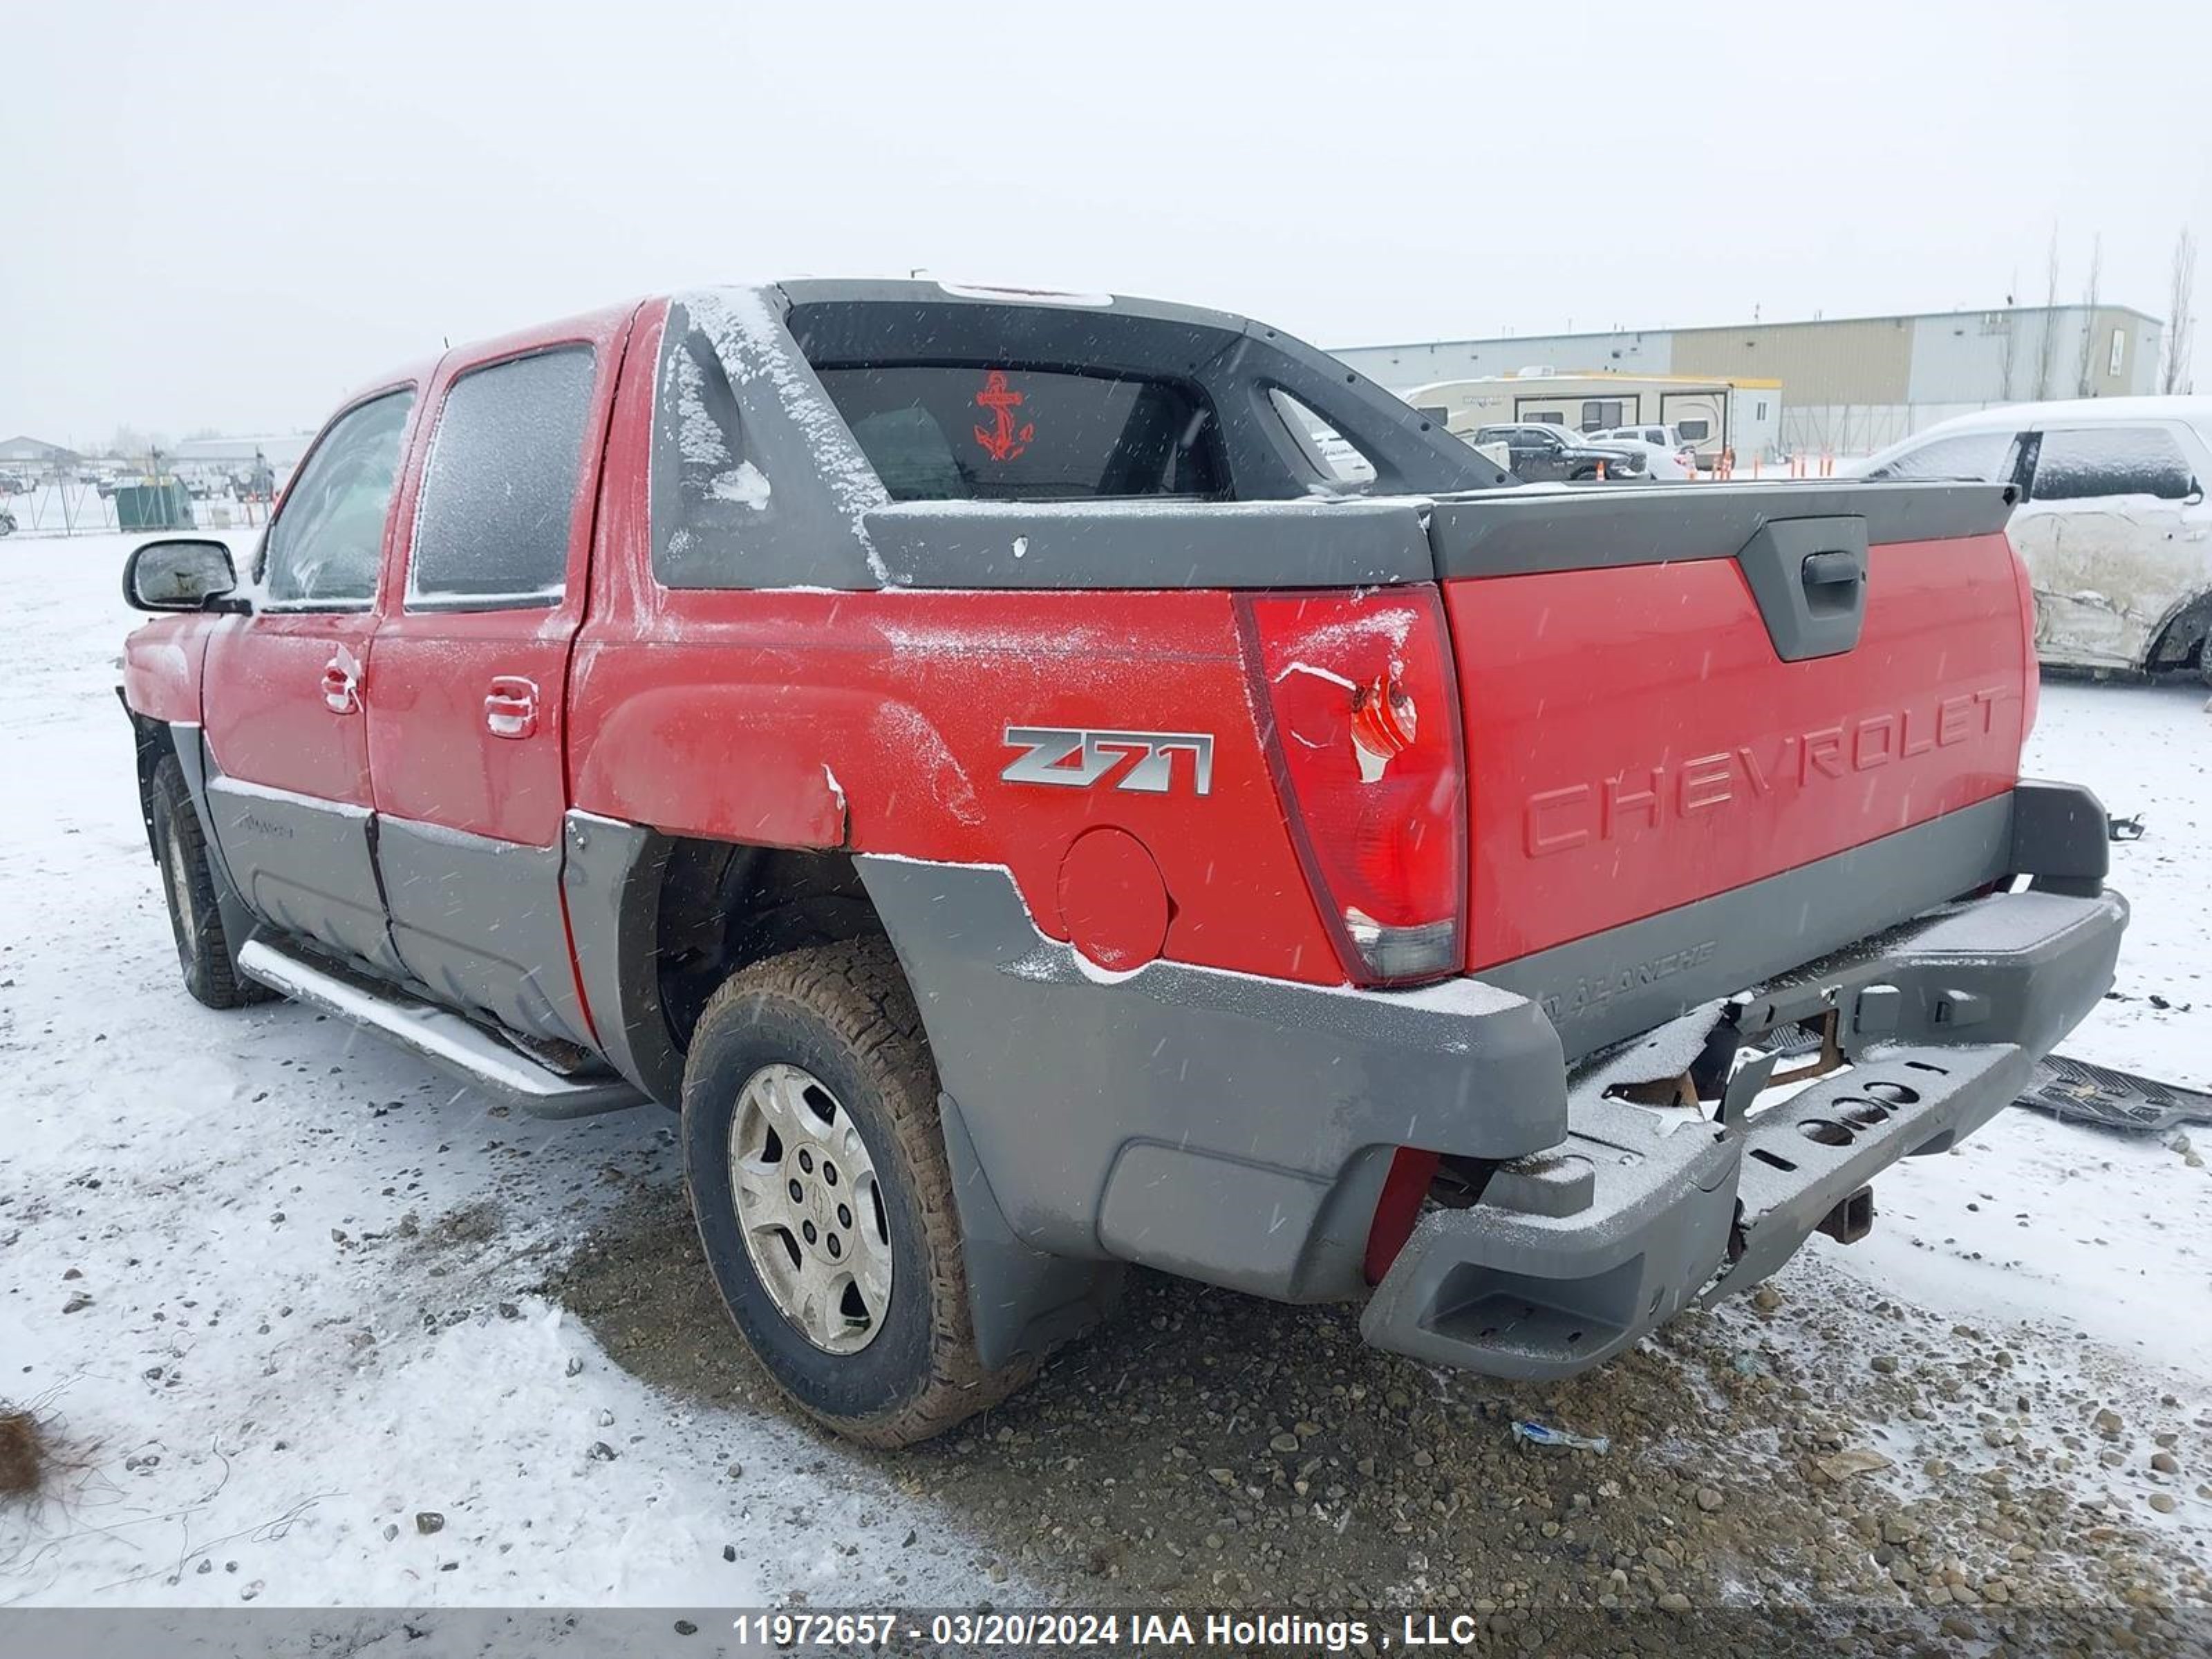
327	540
1977	457
2111	460
499	490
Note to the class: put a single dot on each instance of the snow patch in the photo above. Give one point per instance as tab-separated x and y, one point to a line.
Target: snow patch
747	486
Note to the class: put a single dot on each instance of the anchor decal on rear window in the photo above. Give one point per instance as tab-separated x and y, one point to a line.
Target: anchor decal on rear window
1003	440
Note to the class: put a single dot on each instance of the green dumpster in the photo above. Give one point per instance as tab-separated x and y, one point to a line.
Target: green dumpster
165	506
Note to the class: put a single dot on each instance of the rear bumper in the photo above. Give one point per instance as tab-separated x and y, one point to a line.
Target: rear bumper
1577	1252
1240	1130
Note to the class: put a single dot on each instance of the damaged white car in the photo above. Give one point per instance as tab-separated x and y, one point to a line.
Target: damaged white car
2112	522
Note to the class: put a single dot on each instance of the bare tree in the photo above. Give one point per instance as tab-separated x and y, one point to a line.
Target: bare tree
2180	327
2087	360
2046	345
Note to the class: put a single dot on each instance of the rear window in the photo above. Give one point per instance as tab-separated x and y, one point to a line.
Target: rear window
959	432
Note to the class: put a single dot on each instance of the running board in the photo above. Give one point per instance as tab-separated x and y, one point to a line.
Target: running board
437	1034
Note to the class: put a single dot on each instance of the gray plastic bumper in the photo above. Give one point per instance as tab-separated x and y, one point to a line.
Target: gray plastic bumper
1226	1127
1574	1253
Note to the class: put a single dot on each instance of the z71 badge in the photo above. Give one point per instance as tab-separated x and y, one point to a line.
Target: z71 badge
1077	760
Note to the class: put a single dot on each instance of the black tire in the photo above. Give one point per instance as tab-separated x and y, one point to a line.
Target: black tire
843	1013
188	881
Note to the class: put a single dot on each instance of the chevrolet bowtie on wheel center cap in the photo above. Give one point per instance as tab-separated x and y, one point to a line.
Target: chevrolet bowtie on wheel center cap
807	1202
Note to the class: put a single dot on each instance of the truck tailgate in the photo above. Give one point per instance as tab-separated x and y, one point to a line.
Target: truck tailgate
1672	693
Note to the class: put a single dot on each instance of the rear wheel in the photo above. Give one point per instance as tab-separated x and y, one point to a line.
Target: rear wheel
818	1180
203	950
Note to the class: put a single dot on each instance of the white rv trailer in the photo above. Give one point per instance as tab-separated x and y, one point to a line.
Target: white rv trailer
1710	414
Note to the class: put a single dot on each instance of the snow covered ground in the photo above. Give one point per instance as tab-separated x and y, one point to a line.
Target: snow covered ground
236	1246
2147	750
271	1278
2109	1234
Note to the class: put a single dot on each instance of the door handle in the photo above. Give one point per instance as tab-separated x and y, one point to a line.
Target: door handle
511	706
1831	569
342	685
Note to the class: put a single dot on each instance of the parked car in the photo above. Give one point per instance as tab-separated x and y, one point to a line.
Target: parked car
1542	453
1658	462
14	483
1667	438
7	522
967	753
2113	524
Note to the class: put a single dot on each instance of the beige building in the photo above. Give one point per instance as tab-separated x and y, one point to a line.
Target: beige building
1849	386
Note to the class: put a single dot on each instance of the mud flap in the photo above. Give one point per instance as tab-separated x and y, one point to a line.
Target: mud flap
1022	1300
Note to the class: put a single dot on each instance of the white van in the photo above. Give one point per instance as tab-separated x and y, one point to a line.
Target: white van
1667	438
2112	522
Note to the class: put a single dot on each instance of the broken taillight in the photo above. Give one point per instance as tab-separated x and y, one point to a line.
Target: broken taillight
1357	695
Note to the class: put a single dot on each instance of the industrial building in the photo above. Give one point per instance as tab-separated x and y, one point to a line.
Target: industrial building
280	450
1848	386
35	452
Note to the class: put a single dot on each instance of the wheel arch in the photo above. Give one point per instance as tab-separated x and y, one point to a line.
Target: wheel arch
659	921
657	917
155	741
152	741
2178	641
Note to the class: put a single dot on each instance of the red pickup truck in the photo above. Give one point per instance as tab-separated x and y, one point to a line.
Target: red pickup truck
985	760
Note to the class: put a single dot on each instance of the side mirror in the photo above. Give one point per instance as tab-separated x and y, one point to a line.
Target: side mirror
2196	495
178	575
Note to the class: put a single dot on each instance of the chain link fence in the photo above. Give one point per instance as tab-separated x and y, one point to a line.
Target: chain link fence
61	502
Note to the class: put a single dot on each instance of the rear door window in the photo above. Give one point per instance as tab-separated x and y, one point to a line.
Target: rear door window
938	432
499	491
324	549
1979	457
2111	460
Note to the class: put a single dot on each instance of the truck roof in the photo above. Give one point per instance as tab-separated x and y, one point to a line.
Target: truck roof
2077	412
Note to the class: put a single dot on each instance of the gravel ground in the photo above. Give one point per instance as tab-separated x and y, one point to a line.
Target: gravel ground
1819	1443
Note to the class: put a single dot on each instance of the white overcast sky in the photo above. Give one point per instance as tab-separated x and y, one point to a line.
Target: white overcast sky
220	215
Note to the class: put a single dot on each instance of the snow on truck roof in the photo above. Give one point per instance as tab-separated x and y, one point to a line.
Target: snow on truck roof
2075	411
